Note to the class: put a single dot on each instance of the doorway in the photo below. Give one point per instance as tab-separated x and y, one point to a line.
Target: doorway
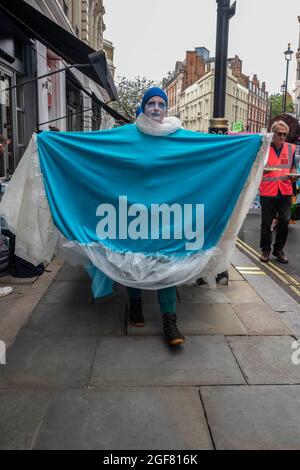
6	123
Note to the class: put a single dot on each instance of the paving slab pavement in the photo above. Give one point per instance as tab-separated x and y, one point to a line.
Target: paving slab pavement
266	359
292	320
77	376
132	419
197	319
253	418
76	320
21	414
260	319
236	292
149	361
48	362
18	306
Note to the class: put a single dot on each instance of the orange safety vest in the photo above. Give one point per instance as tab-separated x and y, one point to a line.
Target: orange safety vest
274	180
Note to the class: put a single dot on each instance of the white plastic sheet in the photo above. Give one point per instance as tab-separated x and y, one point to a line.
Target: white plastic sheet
26	210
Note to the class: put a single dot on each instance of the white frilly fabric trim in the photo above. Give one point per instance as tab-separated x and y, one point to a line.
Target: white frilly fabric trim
148	126
26	211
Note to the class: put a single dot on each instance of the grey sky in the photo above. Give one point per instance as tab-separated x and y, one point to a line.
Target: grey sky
150	35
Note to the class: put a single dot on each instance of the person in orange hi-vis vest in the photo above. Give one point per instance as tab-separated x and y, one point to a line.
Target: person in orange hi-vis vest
276	193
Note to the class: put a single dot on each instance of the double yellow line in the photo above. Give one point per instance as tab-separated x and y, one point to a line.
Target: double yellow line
286	278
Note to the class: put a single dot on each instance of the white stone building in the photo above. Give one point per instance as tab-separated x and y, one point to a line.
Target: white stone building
196	102
60	94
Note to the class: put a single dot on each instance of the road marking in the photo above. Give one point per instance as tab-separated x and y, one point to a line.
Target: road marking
274	266
250	270
270	264
287	279
254	273
266	265
297	291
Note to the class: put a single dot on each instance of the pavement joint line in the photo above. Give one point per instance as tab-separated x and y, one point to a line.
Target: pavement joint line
252	386
237	362
206	419
90	378
56	390
42	420
274	269
227	339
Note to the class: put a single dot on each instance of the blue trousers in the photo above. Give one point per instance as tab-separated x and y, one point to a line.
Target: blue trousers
166	298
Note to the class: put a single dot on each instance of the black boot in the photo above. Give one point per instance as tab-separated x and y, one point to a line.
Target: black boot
136	317
222	279
173	335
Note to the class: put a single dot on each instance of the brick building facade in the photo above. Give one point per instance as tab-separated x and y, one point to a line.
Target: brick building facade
246	100
186	73
258	96
258	105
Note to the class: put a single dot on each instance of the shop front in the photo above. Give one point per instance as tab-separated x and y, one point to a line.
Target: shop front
37	58
16	125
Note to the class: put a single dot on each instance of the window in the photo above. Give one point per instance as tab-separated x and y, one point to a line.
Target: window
96	117
18	49
21	138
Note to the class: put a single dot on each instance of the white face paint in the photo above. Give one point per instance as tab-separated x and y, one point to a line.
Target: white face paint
156	109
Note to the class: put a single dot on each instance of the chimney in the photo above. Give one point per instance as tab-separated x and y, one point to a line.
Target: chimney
236	66
255	80
194	68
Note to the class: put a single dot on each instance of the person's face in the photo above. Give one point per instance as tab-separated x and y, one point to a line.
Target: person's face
156	109
280	133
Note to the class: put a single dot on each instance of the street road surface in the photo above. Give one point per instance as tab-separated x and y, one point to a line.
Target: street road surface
286	275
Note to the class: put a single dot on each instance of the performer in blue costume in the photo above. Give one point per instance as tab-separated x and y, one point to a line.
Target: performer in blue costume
148	214
154	105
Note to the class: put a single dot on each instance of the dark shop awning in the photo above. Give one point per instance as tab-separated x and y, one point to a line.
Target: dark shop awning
74	78
64	44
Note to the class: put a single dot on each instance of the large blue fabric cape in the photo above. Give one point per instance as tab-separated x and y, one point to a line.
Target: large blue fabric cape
83	170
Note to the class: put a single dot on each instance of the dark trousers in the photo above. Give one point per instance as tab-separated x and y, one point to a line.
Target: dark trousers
166	298
272	207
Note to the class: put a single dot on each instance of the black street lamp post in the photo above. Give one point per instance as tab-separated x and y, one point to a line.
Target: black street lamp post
219	124
270	111
288	57
282	89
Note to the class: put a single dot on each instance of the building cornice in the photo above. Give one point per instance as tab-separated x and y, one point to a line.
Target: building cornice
53	10
173	79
